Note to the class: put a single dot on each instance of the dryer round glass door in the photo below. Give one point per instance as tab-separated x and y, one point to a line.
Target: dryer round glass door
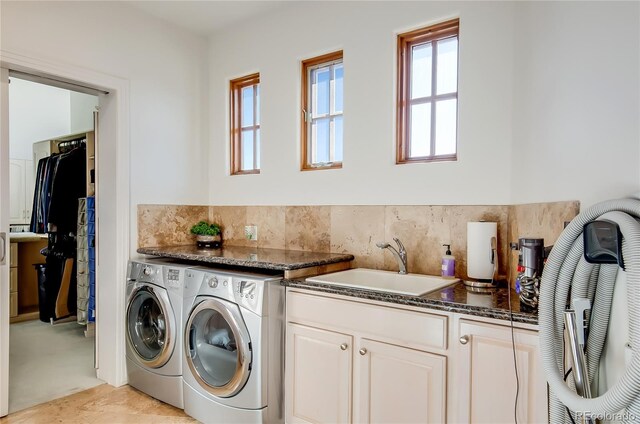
150	325
217	346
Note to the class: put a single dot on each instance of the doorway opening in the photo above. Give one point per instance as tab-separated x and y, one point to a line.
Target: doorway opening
52	145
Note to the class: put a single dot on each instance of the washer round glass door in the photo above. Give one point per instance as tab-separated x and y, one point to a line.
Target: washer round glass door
217	346
150	325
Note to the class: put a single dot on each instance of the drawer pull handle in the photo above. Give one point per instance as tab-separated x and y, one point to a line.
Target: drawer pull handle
464	339
344	346
363	351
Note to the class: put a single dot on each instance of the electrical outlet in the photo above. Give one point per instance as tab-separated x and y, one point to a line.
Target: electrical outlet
251	232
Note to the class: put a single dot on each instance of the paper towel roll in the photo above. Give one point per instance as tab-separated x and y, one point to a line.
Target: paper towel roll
479	252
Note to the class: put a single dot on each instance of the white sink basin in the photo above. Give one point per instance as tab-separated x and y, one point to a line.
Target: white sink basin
385	281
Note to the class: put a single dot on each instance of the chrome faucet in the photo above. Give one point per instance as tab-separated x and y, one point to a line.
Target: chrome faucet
400	254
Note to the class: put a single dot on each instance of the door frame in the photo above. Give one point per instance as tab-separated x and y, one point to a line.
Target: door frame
4	227
113	206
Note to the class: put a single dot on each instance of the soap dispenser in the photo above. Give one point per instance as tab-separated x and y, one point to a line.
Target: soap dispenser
448	263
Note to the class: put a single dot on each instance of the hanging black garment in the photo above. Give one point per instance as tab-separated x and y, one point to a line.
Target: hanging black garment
33	225
37	218
69	184
42	194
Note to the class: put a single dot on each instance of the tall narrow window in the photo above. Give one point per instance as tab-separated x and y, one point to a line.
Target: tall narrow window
322	93
245	125
427	108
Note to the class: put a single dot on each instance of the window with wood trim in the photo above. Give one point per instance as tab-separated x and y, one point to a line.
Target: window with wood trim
321	112
245	125
427	105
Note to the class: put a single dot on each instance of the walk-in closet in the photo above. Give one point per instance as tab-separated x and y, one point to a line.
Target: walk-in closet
53	241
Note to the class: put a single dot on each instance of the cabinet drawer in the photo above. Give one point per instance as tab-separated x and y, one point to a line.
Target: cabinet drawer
396	325
13	305
13	280
13	254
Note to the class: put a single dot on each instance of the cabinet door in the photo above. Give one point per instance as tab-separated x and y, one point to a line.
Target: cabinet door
399	385
17	188
13	254
486	381
318	376
13	279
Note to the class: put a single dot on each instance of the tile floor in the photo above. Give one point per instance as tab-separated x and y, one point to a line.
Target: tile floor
102	404
48	362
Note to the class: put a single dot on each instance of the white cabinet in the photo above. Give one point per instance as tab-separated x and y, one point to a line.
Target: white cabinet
486	380
319	371
342	370
354	360
399	385
21	181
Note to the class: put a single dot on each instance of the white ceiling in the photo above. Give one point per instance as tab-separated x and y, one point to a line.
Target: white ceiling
205	17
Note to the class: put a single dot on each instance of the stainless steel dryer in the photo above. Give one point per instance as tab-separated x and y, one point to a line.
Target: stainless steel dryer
233	347
154	328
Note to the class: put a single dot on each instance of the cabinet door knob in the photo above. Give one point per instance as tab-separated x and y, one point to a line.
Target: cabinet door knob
464	339
344	346
363	351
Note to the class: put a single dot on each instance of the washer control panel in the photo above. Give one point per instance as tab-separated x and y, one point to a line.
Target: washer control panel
173	278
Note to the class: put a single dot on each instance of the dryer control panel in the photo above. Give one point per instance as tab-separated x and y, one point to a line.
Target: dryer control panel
249	294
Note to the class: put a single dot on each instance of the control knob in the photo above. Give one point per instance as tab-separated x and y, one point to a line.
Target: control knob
213	282
146	270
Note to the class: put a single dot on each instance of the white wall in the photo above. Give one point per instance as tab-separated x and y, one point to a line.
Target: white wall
274	44
549	103
576	109
36	112
81	116
166	68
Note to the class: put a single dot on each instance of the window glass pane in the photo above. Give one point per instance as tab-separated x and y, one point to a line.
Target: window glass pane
421	70
257	104
321	88
446	127
320	142
258	148
339	86
247	106
447	73
247	150
337	128
420	144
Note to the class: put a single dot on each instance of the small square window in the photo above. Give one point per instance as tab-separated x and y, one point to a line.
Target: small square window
245	125
427	115
322	109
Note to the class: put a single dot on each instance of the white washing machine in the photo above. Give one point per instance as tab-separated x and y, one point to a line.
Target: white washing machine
233	358
154	328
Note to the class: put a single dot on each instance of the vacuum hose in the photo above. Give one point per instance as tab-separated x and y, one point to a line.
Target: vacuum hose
566	276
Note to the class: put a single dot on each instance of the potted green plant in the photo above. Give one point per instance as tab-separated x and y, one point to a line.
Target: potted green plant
207	235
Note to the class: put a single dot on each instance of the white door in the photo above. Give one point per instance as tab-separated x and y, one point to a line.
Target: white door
318	376
4	241
399	385
486	383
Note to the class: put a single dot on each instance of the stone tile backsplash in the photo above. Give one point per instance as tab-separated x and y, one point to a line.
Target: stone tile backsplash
357	229
167	225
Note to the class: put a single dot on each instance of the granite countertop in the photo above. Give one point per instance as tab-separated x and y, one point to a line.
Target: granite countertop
273	259
492	303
